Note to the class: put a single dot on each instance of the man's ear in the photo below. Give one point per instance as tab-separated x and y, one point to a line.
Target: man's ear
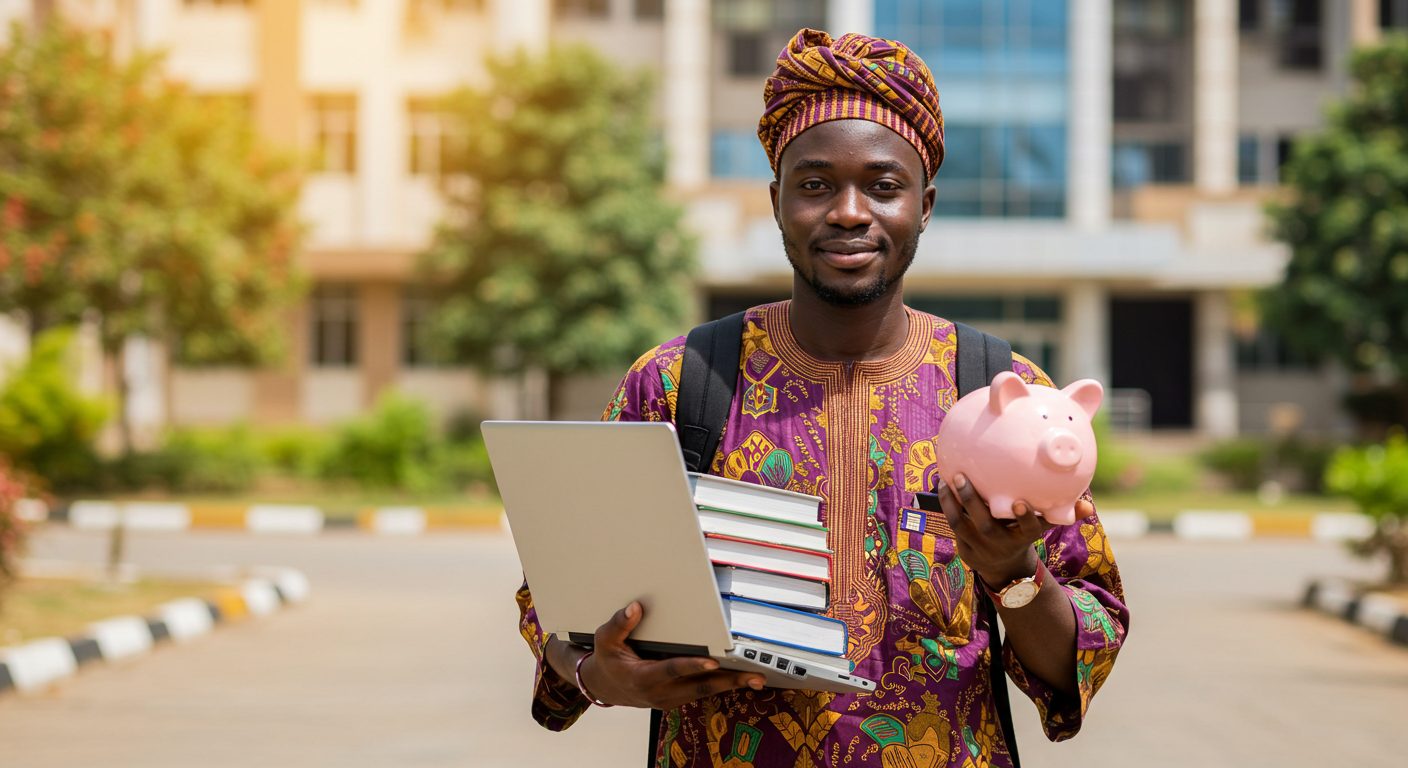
930	194
773	190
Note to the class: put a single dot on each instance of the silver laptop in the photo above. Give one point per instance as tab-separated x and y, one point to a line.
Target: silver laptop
601	514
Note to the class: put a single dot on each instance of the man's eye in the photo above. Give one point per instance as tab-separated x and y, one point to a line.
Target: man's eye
813	185
887	186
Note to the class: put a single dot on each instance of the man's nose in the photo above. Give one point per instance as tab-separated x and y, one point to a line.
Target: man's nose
849	210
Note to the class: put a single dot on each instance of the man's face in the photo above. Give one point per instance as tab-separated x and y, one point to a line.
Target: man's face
851	200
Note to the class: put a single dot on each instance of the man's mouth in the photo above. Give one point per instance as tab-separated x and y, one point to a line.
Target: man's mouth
848	254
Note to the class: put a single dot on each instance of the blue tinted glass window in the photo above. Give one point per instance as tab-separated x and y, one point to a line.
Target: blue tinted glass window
1246	160
1001	67
737	155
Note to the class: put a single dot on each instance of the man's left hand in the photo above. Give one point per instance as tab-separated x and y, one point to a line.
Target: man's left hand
1000	551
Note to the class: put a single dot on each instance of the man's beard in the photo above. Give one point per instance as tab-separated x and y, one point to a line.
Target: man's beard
865	294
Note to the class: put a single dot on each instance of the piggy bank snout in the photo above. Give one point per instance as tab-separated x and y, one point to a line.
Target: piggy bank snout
1061	449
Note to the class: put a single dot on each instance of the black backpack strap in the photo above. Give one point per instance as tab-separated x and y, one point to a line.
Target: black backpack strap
708	377
981	356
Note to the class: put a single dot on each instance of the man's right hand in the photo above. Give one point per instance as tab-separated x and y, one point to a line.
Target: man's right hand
616	675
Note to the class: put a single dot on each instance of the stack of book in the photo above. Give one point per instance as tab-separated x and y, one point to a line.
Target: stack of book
773	568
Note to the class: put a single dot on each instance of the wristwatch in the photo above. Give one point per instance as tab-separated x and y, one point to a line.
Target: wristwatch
1019	592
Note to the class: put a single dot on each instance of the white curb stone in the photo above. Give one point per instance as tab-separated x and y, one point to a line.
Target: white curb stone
94	515
36	665
186	619
1334	596
284	518
259	597
1341	526
1125	524
1213	525
399	521
121	637
292	583
1378	612
155	516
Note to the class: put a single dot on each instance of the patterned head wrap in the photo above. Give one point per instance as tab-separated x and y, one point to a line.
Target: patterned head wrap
853	77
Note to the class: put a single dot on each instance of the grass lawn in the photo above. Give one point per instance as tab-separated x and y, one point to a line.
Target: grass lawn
1165	506
33	608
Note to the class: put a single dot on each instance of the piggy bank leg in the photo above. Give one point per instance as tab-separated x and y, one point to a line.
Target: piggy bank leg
1001	506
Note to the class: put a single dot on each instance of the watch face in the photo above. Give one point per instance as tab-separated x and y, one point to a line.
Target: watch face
1019	594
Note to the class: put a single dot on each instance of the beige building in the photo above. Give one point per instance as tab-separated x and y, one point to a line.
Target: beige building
1100	204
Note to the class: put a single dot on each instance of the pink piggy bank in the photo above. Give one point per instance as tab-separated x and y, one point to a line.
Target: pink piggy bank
1019	443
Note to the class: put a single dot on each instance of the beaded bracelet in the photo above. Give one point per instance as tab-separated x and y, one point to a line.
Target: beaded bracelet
577	673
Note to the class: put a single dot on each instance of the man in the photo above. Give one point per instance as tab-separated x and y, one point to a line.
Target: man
841	393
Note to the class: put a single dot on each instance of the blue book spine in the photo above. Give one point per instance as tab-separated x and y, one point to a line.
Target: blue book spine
811	617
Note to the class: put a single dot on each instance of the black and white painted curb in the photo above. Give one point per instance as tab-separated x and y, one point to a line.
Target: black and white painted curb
1384	615
37	665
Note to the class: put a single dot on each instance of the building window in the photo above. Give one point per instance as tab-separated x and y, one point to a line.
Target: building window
1285	146
1003	170
748	54
1248	171
582	9
415	319
333	307
1299	33
1008	160
434	136
738	155
755	30
650	9
334	127
1032	323
1249	15
1136	163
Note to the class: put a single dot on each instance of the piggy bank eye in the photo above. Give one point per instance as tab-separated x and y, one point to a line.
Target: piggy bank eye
1044	416
1070	418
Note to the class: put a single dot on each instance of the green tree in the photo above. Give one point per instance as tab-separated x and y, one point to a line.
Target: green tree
47	427
1376	478
561	255
1345	219
125	199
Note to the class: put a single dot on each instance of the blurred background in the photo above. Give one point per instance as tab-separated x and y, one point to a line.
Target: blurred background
293	251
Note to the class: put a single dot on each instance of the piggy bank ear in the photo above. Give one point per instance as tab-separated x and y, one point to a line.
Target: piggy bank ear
1006	387
1087	393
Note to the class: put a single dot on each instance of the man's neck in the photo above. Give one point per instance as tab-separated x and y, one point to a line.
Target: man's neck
871	331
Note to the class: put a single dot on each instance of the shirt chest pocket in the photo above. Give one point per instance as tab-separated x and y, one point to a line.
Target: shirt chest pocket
925	568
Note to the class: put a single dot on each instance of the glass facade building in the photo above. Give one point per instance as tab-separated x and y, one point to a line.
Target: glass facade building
1002	68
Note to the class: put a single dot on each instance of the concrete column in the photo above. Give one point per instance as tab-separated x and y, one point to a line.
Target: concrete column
1091	114
1364	23
381	124
278	94
1214	363
379	340
1215	96
1085	334
844	16
278	105
522	24
687	95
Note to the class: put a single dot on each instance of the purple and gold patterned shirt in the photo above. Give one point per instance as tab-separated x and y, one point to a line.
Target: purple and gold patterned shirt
861	436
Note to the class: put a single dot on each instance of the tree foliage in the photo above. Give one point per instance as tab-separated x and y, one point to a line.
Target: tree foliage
561	255
1345	220
1375	477
124	197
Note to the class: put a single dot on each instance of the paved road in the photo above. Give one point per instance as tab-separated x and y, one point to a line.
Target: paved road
406	655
